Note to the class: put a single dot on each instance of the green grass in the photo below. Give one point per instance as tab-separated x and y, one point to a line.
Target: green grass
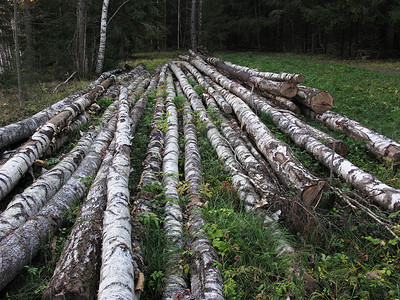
368	96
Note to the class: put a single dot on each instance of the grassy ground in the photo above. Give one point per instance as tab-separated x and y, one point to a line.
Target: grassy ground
348	253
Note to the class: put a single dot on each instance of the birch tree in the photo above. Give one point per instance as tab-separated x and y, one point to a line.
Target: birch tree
103	35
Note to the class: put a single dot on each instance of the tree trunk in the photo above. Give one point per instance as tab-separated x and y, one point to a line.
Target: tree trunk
378	144
117	269
200	29
81	41
19	247
17	56
284	88
13	170
193	32
295	78
178	25
317	100
29	32
206	279
282	102
174	281
77	271
279	155
103	35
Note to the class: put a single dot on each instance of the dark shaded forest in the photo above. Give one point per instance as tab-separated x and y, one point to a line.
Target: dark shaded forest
64	34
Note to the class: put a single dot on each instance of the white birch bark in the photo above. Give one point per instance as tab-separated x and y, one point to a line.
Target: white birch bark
317	100
279	155
77	270
245	190
282	102
27	204
209	89
23	129
117	270
13	170
206	279
281	88
103	36
18	248
378	144
295	78
174	281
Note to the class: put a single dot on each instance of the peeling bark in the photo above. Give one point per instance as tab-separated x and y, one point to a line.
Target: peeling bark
13	170
378	144
174	281
206	84
77	270
245	190
19	247
279	155
206	279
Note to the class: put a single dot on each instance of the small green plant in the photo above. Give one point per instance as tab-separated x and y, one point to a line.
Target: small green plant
104	102
52	161
199	90
162	124
179	101
156	282
149	218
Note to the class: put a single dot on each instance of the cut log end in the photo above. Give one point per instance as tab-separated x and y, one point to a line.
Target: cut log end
313	194
393	155
322	102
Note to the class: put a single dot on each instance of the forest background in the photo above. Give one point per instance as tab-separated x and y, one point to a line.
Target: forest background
63	35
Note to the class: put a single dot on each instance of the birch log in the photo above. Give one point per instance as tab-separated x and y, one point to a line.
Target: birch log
77	271
378	144
282	102
279	155
209	89
174	281
117	270
13	170
283	88
317	100
206	279
240	181
23	129
295	78
27	204
19	247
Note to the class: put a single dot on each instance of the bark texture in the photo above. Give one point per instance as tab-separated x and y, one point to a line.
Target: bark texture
103	36
279	155
13	170
77	270
19	247
295	78
174	281
378	144
206	279
117	270
283	88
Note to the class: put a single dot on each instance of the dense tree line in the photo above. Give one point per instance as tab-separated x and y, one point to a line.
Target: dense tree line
65	33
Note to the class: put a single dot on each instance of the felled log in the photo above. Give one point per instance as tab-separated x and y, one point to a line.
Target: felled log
295	78
21	246
282	102
280	88
317	100
378	144
206	280
77	271
203	82
13	170
174	281
279	155
117	269
240	181
23	129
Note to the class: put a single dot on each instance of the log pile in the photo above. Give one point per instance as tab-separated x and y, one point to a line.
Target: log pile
102	257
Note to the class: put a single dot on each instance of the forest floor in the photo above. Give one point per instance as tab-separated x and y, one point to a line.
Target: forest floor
348	253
